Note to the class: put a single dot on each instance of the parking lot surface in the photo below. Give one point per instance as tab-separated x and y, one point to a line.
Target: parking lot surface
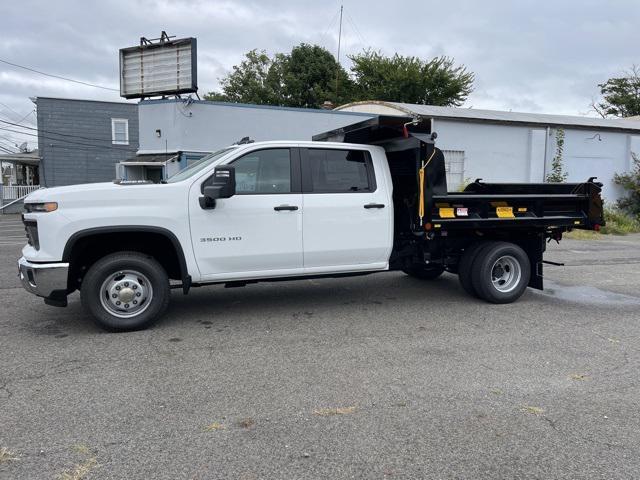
381	376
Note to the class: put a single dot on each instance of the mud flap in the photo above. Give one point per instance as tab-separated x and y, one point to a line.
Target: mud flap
535	247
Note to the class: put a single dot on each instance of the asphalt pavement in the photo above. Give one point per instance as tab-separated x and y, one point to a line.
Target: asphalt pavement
382	376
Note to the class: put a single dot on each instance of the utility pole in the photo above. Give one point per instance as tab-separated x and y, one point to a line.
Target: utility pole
339	41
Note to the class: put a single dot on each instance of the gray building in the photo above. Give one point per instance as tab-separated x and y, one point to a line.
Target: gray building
82	141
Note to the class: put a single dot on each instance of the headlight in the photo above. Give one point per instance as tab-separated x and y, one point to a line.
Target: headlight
41	207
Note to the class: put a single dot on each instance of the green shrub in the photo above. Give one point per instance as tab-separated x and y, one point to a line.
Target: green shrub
630	181
619	223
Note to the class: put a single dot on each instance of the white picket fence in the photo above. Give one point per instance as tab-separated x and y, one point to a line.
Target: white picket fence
14	192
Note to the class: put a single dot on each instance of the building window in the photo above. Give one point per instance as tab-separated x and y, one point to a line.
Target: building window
120	131
454	166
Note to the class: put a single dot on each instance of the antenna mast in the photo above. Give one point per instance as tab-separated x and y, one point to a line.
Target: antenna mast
339	41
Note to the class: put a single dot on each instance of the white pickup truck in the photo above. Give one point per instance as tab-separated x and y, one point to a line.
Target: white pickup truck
287	210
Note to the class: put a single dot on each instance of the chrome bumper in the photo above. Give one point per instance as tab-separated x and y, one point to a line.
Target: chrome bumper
43	279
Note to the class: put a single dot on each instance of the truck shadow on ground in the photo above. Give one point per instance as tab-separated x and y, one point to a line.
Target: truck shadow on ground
334	297
348	297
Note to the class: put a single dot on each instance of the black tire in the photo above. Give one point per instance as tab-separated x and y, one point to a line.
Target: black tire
514	270
424	273
148	279
465	267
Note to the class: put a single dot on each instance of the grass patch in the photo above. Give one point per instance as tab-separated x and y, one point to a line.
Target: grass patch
214	426
80	471
618	223
533	410
326	412
6	455
246	423
583	235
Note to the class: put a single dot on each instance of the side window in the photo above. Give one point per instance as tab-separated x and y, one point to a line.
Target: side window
120	131
264	171
340	171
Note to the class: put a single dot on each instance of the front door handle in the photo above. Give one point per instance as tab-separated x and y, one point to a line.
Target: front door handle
374	205
285	207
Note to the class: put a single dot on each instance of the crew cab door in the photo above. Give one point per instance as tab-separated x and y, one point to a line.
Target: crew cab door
348	211
258	231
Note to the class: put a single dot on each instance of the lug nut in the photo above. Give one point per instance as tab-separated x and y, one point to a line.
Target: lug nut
126	284
134	286
138	294
118	302
117	287
126	305
114	295
135	302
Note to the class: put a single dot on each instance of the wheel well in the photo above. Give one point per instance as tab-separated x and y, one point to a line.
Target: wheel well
86	249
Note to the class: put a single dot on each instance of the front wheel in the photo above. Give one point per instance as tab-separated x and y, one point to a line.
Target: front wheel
125	291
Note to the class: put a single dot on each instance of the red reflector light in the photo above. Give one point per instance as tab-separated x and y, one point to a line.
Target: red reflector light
596	227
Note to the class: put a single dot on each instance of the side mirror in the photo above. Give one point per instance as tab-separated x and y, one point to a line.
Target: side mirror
223	185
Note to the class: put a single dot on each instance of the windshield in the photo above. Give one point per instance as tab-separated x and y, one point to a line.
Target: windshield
194	168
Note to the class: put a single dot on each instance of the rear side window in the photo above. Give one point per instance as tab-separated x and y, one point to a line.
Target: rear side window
340	171
264	171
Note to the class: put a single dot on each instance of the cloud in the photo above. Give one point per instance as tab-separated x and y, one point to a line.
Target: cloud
538	56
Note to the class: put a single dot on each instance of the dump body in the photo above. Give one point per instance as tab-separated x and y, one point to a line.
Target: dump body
434	227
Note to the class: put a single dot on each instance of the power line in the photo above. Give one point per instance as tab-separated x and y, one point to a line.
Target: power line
59	77
12	110
65	141
56	133
6	150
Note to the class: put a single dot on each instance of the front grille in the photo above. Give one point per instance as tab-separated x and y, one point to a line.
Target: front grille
31	228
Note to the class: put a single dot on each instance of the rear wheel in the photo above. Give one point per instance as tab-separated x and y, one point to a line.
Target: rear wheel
424	273
125	291
501	272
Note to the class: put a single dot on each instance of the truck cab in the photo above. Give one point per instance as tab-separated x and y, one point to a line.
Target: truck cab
365	199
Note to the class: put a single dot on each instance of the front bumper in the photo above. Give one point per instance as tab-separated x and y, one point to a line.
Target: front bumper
48	280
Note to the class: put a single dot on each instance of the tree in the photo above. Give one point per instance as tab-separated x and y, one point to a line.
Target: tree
309	78
620	96
305	77
310	75
248	82
557	175
411	80
631	183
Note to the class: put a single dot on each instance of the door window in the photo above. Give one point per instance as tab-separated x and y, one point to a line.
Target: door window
264	171
340	171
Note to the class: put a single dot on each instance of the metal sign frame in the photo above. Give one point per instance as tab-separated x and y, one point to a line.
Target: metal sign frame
163	42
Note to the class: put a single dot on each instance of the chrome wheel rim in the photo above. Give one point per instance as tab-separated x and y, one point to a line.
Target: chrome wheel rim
506	274
126	293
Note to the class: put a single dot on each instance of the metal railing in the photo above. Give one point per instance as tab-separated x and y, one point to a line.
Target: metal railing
14	192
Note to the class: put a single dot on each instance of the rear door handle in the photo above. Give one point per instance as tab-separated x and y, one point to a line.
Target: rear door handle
374	205
285	207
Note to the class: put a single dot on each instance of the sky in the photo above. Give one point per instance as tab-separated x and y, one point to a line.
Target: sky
528	56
